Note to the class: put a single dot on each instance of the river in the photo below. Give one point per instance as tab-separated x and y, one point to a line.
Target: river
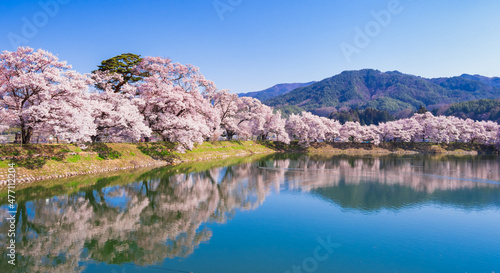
278	213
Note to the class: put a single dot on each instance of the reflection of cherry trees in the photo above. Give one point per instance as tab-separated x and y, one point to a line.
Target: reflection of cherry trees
52	239
419	173
370	184
164	213
161	216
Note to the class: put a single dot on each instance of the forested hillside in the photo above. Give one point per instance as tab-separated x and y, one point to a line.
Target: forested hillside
484	109
390	91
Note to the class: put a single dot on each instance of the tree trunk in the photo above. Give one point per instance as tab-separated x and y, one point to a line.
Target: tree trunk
26	134
95	138
146	139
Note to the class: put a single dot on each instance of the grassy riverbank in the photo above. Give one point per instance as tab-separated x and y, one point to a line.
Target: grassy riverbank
43	162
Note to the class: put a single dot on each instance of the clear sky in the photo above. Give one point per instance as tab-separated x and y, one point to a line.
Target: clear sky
249	45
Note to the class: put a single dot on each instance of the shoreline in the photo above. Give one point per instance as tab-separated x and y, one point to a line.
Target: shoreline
136	156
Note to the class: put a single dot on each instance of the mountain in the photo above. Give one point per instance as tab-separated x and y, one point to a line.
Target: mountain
495	81
468	83
274	91
387	91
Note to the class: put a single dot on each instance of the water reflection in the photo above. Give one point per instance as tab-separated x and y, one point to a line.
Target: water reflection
163	213
373	183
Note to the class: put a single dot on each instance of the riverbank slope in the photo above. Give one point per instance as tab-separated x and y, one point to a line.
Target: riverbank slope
52	161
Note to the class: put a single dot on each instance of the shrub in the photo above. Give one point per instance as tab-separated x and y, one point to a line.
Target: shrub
104	151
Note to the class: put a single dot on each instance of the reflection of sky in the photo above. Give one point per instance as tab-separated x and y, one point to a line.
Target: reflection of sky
115	198
221	174
284	231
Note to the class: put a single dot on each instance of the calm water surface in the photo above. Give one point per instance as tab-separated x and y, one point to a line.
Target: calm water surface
292	213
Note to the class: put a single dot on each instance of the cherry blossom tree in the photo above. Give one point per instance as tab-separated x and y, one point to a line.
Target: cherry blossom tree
297	129
243	123
439	129
267	124
247	117
275	125
386	130
307	128
411	129
332	129
426	125
403	130
485	132
229	110
317	128
114	113
465	128
42	93
371	134
352	131
171	101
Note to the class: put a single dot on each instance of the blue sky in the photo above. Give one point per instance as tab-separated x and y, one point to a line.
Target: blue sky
248	45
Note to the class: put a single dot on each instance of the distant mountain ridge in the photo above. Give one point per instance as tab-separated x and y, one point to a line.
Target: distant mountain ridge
391	91
494	81
274	91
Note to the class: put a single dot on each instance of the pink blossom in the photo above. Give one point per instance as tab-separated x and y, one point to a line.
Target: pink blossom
42	94
172	104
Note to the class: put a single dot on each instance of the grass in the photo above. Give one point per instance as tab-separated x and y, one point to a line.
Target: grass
61	160
4	164
206	165
220	149
73	158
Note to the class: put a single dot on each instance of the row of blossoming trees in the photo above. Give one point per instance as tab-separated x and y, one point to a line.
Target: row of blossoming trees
419	128
41	95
